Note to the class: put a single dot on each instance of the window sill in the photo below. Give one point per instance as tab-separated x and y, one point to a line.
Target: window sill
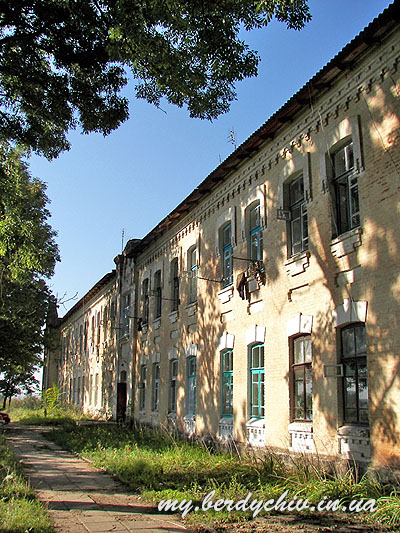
226	294
157	323
354	431
173	316
255	429
190	424
301	426
298	263
225	428
354	442
191	309
301	437
346	243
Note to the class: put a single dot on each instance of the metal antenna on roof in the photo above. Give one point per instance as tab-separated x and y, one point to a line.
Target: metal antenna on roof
232	138
122	239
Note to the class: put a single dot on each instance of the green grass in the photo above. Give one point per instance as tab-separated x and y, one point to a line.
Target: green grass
31	411
159	467
20	511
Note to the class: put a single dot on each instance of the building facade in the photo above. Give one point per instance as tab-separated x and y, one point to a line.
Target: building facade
265	308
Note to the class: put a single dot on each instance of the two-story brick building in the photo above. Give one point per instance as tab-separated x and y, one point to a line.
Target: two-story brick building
265	308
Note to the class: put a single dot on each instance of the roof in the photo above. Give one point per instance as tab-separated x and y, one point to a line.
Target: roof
372	35
89	295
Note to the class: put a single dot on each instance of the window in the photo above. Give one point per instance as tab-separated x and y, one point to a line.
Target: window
155	387
145	300
157	294
192	260
227	383
91	389
346	189
226	239
142	387
175	285
83	390
126	305
85	335
96	389
78	391
298	217
105	321
173	381
302	378
191	386
256	240
257	381
98	327
81	340
355	380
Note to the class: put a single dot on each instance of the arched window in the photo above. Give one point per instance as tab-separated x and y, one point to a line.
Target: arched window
226	253
157	294
302	378
174	285
255	233
355	376
192	267
191	386
298	224
257	381
173	382
227	383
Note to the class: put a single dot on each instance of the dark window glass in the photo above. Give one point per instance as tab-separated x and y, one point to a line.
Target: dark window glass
355	378
302	378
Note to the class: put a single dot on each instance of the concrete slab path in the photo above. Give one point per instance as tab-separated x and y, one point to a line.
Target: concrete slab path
79	497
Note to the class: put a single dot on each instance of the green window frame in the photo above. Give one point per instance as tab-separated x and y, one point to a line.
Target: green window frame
227	274
302	378
355	373
227	383
257	381
191	386
256	239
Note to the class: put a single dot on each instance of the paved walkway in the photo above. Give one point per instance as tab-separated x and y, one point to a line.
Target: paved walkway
79	497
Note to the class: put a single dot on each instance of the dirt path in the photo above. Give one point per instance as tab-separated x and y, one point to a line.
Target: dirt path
79	497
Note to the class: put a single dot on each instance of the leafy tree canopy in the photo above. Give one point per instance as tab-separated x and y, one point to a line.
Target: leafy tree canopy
28	254
63	63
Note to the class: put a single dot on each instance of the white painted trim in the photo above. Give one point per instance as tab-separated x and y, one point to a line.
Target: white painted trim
226	342
299	324
191	350
350	311
255	334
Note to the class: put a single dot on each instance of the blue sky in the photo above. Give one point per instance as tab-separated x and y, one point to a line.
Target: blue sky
139	173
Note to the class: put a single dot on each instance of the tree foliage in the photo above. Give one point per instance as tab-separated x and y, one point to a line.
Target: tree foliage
28	254
63	63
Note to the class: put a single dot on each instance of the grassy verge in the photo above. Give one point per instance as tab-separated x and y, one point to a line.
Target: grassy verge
159	467
20	511
31	411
